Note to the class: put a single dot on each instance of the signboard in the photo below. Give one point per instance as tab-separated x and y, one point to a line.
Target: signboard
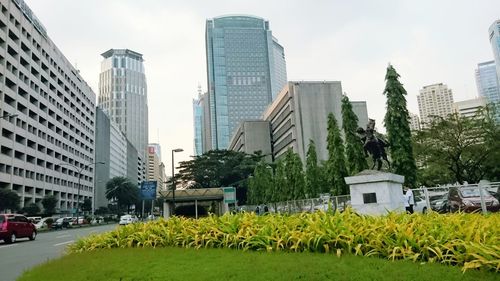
148	190
229	195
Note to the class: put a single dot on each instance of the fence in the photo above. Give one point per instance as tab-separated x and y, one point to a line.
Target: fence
426	198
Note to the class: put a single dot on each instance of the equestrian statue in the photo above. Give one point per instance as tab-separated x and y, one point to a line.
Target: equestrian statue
373	144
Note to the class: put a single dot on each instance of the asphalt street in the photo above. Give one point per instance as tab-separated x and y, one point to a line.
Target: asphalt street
17	257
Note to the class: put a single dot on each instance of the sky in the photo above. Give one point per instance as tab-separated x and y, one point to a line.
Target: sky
427	41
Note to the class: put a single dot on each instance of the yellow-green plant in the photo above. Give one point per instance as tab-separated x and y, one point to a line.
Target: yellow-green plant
467	240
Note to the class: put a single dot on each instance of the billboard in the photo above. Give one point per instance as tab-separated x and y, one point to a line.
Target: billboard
148	190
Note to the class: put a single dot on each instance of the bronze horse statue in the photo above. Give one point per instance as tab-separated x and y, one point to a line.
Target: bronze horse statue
373	145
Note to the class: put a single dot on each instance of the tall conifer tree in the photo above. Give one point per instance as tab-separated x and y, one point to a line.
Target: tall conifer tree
355	157
313	173
336	158
398	129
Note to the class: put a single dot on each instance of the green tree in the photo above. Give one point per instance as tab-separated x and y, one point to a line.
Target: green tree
336	158
102	211
314	178
281	188
31	209
49	203
124	192
9	200
260	183
398	128
87	205
294	175
458	149
355	156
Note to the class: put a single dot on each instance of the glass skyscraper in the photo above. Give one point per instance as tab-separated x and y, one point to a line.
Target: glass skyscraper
123	95
245	69
198	123
494	35
487	81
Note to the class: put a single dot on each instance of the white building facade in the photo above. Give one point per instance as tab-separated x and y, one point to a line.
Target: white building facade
434	100
49	143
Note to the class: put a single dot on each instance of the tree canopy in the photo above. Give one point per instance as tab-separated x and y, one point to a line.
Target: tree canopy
336	164
9	199
355	157
123	191
49	203
458	149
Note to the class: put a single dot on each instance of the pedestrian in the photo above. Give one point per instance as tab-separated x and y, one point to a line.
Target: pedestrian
408	200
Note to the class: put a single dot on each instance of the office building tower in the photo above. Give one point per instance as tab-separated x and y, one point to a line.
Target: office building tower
494	36
434	100
487	81
245	69
123	95
120	158
253	136
155	166
47	115
300	114
198	123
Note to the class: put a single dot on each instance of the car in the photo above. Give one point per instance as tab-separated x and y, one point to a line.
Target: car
61	223
43	223
13	226
127	219
81	220
439	203
34	220
468	199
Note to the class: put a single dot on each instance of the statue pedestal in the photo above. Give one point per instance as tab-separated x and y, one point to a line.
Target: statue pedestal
376	193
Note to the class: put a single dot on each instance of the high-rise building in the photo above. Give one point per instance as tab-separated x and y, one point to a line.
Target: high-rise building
47	115
154	166
123	95
434	100
494	35
245	69
300	114
414	122
112	148
198	123
487	81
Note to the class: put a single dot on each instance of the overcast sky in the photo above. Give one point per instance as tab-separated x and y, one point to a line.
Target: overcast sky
427	41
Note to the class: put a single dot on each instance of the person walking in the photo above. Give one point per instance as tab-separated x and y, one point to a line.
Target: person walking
409	200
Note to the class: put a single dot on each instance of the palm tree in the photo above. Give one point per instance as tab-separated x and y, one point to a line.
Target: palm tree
121	190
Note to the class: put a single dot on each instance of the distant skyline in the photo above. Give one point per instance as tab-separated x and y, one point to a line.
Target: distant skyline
428	42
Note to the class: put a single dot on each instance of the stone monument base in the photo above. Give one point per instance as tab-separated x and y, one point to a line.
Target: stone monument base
376	193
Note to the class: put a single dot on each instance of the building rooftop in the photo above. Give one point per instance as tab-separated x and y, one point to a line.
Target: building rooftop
127	52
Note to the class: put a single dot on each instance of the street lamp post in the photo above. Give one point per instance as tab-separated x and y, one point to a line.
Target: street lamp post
79	177
173	178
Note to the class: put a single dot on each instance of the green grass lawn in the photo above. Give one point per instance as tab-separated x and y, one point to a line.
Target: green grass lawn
224	264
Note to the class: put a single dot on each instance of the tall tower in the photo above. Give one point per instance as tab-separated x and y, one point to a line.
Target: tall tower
494	35
198	123
434	100
245	69
123	95
487	81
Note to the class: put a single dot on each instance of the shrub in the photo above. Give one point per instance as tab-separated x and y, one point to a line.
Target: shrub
468	240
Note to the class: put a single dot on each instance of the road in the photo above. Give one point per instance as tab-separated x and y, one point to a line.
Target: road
17	257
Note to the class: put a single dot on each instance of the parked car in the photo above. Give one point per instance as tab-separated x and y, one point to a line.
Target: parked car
81	220
13	226
127	219
439	203
469	200
61	223
420	205
34	220
43	223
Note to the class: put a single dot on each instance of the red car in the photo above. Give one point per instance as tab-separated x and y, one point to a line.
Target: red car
13	226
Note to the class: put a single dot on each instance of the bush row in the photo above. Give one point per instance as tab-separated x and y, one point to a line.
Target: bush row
467	240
